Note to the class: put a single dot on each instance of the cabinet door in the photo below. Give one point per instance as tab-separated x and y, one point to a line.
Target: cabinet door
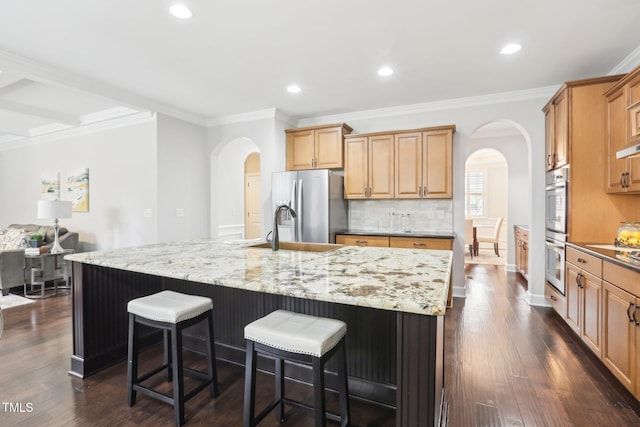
381	167
300	149
619	334
419	243
633	179
573	297
408	158
616	140
519	255
591	300
525	258
548	136
373	241
437	154
355	168
328	148
561	129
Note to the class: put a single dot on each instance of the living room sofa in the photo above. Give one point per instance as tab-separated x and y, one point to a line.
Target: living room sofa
12	261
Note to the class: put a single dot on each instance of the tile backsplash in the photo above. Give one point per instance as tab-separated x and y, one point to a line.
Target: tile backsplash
394	215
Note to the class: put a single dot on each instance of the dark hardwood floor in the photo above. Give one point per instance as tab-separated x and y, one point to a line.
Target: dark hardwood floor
507	364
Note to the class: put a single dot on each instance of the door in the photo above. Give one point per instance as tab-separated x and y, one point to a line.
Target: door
253	216
591	299
437	164
616	140
573	297
300	149
408	158
381	167
618	343
355	168
328	148
561	129
313	206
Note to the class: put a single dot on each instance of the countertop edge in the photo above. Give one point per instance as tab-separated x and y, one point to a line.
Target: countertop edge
605	254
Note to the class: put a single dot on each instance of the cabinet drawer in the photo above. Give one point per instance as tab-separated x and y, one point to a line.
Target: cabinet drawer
374	241
419	243
556	299
622	277
584	261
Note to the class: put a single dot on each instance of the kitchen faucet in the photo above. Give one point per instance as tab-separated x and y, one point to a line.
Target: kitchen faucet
275	241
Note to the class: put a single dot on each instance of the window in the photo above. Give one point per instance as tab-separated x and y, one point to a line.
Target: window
474	205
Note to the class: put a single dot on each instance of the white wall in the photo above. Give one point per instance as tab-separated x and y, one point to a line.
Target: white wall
268	135
122	164
230	186
182	180
525	114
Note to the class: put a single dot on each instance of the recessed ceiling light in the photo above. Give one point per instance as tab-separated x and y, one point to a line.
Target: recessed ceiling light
180	11
385	71
293	89
510	48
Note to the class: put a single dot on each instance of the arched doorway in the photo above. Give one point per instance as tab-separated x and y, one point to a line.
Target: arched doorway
486	203
252	210
509	140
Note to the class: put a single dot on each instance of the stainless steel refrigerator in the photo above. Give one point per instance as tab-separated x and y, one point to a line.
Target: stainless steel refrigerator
317	197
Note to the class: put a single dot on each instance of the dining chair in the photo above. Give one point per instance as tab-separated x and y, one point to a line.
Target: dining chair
468	236
494	237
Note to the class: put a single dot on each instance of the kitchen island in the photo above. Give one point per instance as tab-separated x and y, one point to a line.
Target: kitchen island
393	301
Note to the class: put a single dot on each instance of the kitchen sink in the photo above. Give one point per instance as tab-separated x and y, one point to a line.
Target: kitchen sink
300	246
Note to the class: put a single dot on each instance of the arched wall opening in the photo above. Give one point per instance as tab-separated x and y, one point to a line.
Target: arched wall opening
227	182
511	141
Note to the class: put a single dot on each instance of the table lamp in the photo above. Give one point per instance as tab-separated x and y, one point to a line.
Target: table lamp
54	209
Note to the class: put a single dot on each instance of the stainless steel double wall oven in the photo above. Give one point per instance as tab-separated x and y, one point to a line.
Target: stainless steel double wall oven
556	192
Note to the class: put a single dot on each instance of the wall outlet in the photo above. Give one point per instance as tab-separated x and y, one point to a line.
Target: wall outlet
180	213
234	212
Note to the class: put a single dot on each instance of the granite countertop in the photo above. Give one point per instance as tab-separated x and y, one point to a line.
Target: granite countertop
407	280
610	253
430	234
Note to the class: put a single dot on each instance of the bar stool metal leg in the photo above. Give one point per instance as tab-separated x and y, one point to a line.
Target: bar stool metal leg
343	385
318	392
250	385
280	389
211	357
132	358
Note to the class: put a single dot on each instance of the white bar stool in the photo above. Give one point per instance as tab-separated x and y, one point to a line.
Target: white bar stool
172	312
300	338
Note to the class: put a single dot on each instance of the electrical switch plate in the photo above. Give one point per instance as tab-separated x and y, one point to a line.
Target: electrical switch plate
180	213
147	213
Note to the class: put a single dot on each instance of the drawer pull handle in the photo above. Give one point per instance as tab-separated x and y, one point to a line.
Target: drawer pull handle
582	260
362	242
635	319
629	311
419	244
553	298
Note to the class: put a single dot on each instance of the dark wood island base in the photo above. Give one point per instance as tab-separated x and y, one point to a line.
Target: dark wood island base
394	358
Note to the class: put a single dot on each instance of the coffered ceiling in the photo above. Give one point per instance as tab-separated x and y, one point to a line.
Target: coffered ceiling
69	64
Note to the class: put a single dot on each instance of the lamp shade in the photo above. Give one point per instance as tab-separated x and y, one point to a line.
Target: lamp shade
53	209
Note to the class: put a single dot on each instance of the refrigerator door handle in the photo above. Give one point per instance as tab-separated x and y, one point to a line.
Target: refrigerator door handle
298	209
292	204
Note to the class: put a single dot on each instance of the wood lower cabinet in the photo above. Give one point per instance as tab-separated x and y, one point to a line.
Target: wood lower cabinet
319	147
369	167
583	280
420	243
353	240
621	324
394	242
556	300
522	251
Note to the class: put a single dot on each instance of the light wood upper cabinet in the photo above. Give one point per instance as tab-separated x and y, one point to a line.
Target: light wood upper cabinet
557	131
319	147
424	163
623	129
369	167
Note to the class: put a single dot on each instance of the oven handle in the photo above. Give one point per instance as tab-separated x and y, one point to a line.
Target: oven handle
555	245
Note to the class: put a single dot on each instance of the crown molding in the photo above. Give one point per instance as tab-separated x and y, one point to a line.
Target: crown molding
449	104
132	119
268	113
47	74
627	64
